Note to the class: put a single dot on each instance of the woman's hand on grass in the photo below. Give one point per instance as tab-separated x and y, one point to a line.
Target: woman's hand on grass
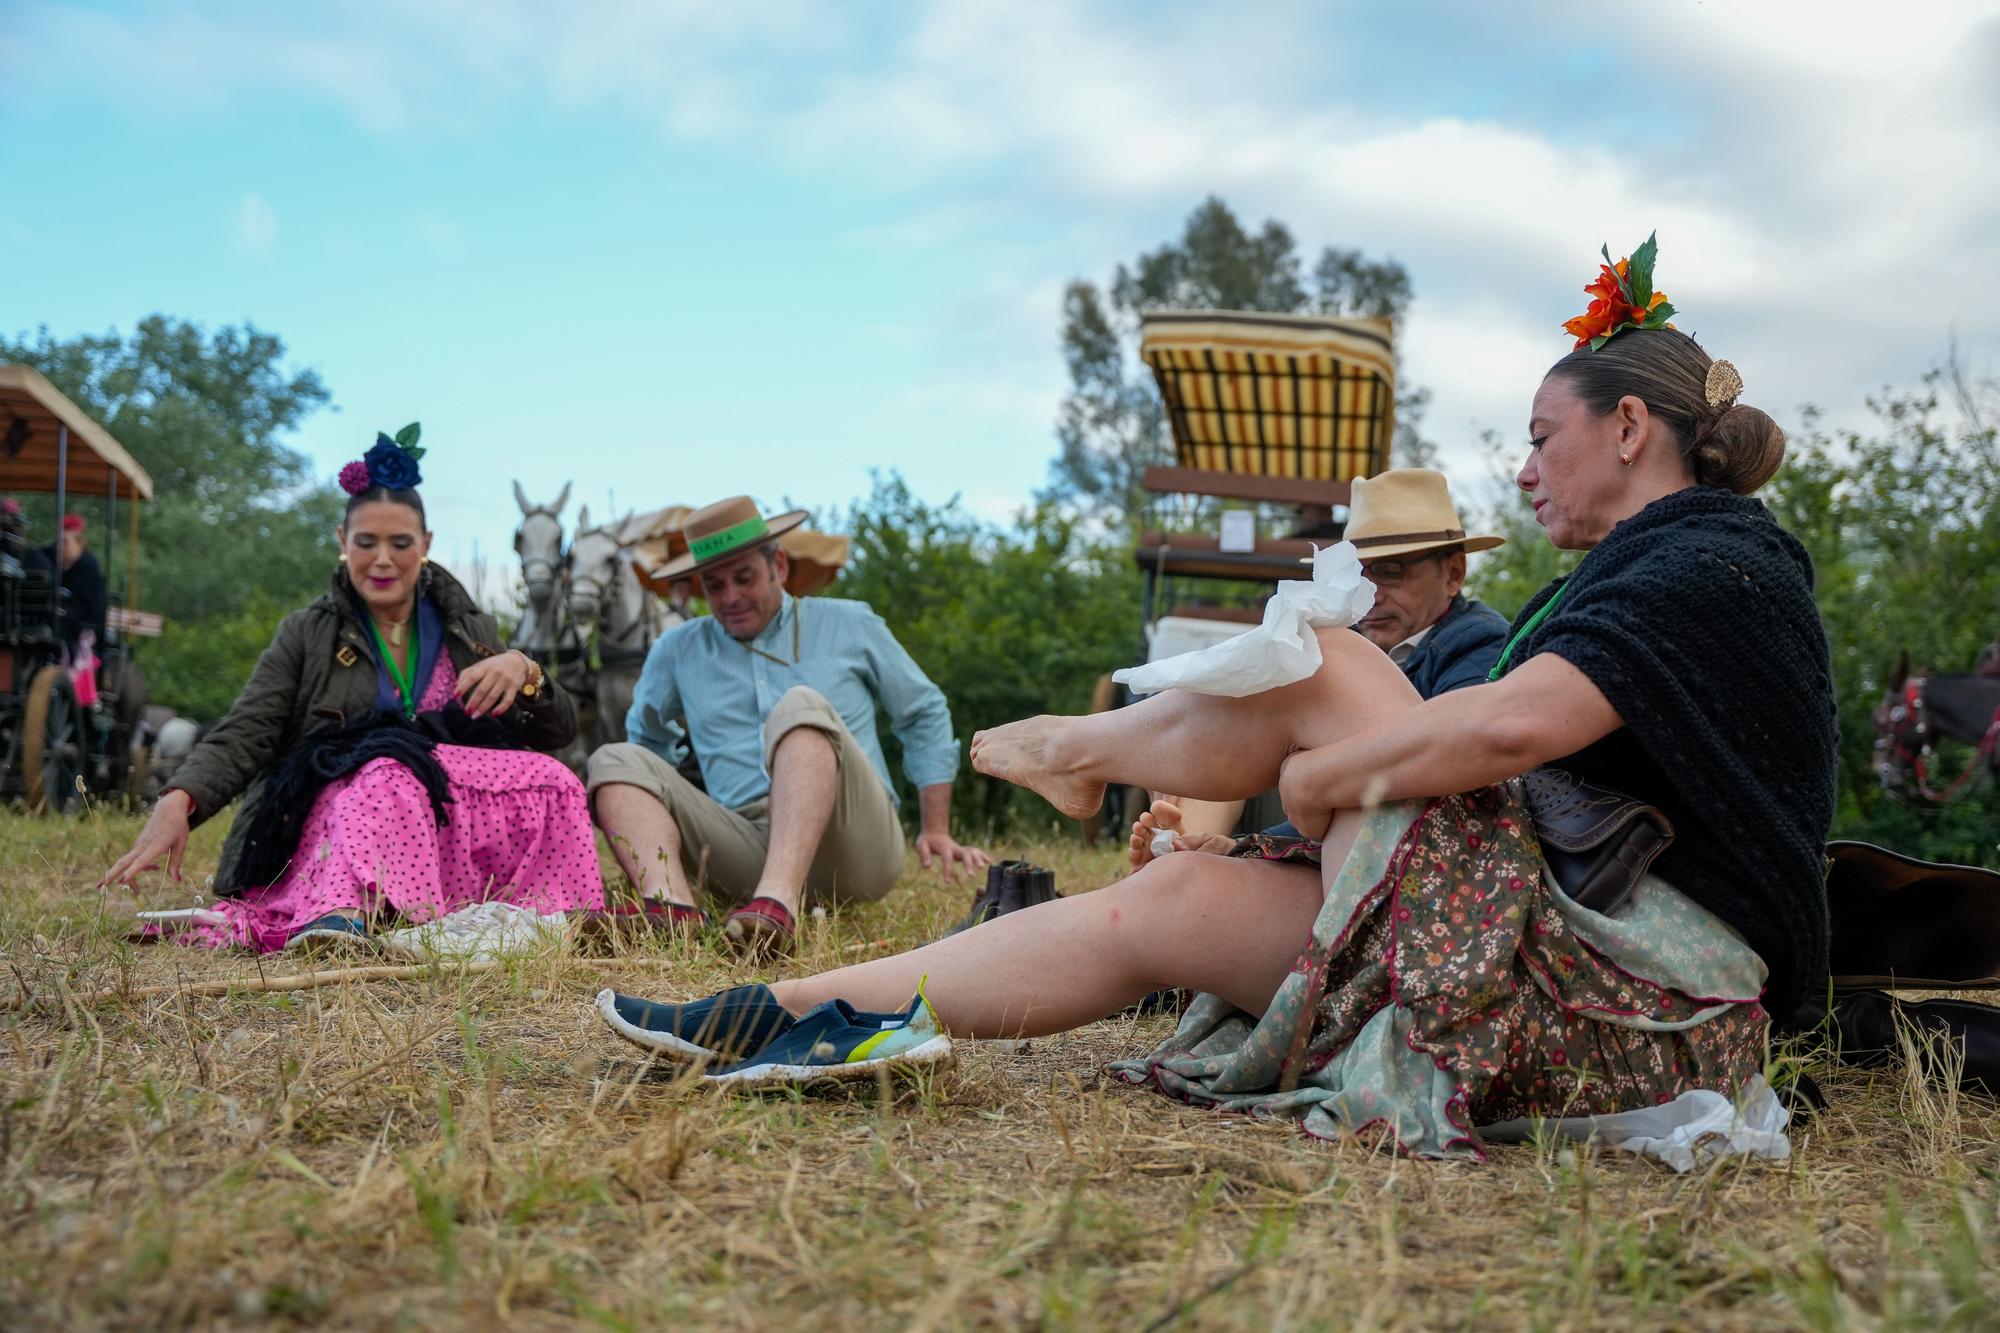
165	834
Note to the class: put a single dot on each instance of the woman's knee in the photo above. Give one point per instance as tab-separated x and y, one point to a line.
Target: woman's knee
1172	883
1351	662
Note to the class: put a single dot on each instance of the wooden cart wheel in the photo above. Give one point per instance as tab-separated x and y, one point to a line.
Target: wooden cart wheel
51	743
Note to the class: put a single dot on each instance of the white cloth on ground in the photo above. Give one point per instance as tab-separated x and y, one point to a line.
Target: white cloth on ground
480	931
1691	1130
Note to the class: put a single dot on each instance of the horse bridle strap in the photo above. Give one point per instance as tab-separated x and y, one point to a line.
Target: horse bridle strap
1913	702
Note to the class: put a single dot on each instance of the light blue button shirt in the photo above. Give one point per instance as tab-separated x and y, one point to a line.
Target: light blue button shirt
698	676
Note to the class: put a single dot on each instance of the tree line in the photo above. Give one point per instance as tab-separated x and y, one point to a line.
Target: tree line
1902	517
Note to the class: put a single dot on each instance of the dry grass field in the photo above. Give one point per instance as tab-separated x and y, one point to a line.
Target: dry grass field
476	1151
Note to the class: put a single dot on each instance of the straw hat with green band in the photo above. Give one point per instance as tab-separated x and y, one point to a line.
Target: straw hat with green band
722	531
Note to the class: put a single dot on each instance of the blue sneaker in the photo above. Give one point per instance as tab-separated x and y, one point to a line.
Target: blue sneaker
733	1024
837	1042
335	932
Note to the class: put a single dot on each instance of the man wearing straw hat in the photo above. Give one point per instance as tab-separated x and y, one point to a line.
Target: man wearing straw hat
1412	548
779	697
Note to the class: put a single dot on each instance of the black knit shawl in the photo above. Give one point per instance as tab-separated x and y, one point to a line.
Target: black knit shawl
1696	619
277	815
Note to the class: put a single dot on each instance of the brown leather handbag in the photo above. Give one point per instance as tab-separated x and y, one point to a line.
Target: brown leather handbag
1904	924
1599	842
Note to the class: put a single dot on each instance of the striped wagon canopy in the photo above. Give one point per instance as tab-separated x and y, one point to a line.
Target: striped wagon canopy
1275	395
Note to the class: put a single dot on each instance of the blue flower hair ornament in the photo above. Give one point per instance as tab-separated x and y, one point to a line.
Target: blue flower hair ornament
389	463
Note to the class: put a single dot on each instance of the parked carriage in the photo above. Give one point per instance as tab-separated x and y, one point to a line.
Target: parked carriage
1278	414
58	746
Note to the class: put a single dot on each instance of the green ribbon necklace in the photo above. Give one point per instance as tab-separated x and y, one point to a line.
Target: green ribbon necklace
404	676
1534	623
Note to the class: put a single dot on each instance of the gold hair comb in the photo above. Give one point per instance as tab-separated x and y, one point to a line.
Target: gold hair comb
1723	384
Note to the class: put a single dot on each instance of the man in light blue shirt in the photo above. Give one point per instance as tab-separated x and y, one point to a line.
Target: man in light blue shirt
780	699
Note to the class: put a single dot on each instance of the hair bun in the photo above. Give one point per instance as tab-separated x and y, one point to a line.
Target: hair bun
1739	448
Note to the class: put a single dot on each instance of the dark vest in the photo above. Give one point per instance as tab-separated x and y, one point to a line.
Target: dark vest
1460	649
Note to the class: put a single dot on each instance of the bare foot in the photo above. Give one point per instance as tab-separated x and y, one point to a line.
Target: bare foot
1164	815
1020	753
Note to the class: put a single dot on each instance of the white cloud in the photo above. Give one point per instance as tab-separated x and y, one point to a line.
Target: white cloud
256	226
1821	175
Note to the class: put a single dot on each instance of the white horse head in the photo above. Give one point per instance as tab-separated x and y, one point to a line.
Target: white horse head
538	541
599	569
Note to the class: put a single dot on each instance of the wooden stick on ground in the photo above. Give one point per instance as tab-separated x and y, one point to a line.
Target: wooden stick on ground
310	980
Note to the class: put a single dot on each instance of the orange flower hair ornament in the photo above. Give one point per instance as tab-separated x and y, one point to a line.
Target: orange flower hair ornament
1622	297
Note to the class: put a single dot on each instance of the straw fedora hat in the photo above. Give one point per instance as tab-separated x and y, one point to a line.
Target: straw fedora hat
724	530
1405	511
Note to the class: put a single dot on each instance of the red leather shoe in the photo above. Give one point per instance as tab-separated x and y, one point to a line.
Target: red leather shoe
761	928
624	923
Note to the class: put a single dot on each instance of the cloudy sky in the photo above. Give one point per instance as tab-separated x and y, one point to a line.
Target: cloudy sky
671	251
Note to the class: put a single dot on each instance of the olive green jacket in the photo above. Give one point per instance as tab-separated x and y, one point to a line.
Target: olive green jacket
319	672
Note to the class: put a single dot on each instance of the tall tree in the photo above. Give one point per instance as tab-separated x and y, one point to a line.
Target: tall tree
237	517
1112	426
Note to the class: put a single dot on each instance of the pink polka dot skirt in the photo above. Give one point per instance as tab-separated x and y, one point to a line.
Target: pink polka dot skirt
519	832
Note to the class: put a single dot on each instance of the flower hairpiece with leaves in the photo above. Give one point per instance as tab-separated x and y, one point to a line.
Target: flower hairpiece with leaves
1622	297
389	463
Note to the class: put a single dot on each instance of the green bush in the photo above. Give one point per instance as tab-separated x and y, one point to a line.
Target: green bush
198	668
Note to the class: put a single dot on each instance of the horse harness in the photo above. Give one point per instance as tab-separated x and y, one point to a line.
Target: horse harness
1907	719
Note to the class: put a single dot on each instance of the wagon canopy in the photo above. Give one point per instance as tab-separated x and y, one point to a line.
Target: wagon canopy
34	418
1275	395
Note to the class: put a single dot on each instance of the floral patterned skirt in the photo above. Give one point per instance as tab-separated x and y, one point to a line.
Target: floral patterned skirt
1450	983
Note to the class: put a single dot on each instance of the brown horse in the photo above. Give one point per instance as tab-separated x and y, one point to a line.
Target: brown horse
1918	709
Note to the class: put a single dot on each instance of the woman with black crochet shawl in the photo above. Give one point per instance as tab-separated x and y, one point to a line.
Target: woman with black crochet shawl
1413	967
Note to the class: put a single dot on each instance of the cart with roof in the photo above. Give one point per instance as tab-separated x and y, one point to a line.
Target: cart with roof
67	733
1272	417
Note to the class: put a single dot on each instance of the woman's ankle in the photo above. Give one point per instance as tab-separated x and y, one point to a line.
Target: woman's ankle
786	993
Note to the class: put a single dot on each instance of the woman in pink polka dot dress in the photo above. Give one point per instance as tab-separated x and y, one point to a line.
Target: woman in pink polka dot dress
350	842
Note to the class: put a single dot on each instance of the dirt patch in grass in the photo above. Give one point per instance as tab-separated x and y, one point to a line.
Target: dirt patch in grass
455	1150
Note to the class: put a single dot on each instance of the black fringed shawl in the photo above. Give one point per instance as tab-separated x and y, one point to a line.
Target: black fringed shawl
277	816
1696	619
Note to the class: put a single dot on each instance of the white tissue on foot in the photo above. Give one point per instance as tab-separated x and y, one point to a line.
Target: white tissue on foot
1163	841
1281	651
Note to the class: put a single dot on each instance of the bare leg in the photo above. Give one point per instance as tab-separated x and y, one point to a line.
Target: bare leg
645	839
805	777
1230	927
1208	747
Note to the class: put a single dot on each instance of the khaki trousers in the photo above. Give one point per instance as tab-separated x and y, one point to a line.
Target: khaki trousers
860	857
